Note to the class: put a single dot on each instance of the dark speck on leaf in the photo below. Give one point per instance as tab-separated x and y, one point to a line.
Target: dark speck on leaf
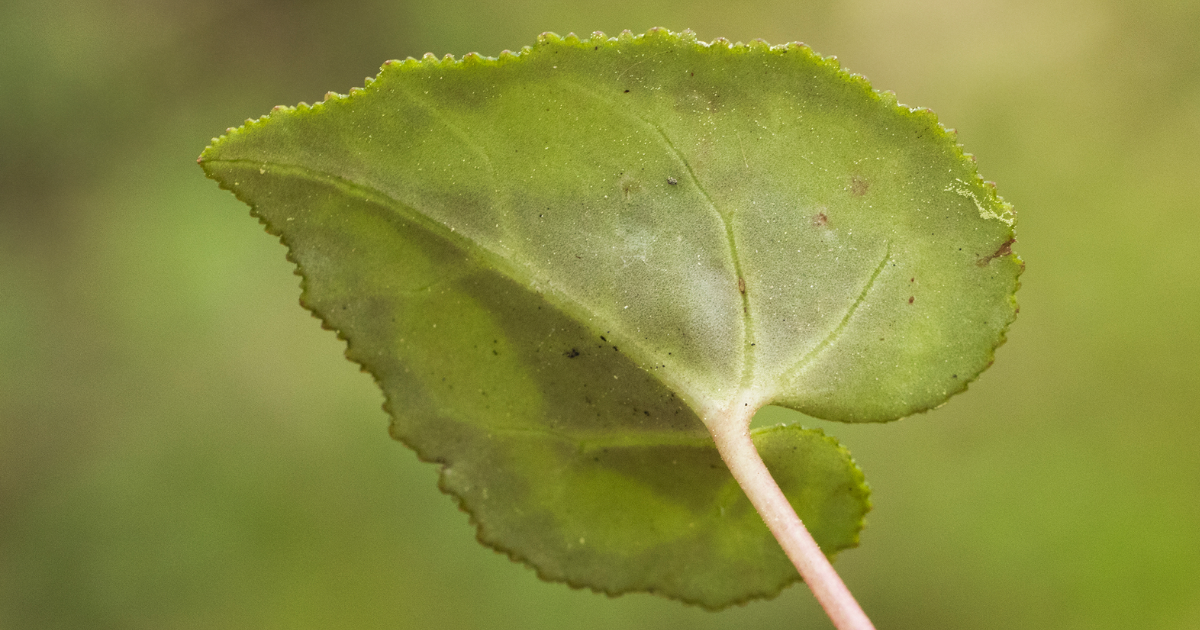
910	299
626	91
672	181
572	353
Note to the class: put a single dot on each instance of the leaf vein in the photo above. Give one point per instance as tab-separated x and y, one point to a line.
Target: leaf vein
738	283
588	443
504	264
829	339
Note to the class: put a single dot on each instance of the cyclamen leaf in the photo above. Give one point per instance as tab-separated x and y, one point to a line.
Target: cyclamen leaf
558	264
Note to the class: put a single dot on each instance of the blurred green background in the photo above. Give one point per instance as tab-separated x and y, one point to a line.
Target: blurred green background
182	446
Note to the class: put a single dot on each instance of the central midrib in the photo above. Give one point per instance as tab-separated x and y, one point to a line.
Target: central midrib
503	265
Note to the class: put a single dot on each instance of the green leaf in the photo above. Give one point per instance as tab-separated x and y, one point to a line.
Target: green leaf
562	265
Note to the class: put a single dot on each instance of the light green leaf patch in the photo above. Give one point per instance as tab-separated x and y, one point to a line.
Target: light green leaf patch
559	265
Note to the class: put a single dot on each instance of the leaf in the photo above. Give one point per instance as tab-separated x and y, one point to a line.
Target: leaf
562	265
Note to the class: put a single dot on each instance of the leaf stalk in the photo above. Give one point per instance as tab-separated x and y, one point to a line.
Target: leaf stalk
731	432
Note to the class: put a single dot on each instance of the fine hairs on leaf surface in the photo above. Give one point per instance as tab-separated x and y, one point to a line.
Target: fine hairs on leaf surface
578	269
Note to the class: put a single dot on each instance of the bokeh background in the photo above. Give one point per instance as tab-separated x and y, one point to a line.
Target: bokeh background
182	446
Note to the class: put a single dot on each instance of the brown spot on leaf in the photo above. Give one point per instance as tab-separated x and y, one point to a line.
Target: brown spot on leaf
1004	250
572	353
630	185
858	186
911	298
820	219
741	285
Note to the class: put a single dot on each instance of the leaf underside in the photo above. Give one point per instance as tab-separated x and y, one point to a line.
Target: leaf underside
557	263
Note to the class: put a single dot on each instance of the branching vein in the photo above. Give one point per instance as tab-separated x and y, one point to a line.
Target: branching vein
726	222
808	358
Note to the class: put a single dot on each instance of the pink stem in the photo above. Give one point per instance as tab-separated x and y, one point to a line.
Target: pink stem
737	449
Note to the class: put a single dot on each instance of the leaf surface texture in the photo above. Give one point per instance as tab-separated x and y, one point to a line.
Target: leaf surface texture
559	264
